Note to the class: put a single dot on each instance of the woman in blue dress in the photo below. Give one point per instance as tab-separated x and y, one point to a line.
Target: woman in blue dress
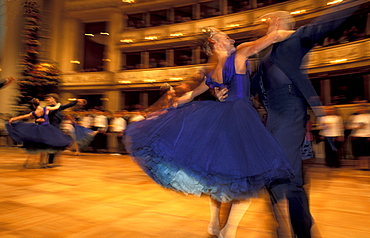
82	136
221	149
38	138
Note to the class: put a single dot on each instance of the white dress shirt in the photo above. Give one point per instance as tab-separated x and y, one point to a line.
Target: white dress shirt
331	126
118	124
362	121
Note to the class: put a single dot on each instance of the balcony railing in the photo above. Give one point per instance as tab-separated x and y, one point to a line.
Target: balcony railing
323	59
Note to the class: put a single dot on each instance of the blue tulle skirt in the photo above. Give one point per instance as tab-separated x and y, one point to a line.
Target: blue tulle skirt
83	136
36	138
206	147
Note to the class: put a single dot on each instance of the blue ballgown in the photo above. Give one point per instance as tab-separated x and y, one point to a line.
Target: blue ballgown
84	136
221	149
38	137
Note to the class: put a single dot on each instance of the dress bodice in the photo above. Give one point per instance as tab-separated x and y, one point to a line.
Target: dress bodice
44	116
237	84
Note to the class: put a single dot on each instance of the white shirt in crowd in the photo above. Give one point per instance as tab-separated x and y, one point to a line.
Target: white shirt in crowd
86	121
101	122
331	126
362	121
67	127
118	124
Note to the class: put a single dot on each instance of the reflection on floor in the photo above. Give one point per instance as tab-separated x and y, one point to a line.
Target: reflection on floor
103	195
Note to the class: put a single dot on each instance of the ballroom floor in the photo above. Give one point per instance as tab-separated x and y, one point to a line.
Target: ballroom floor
107	195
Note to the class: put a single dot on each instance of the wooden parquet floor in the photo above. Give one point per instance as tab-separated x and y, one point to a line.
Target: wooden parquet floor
104	195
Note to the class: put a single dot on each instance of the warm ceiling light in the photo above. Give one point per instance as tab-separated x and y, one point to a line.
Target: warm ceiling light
124	81
151	38
128	1
149	80
89	34
233	25
126	41
104	33
298	12
176	34
334	2
176	79
338	61
75	62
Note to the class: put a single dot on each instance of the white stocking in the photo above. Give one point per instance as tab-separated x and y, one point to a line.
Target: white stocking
237	211
214	223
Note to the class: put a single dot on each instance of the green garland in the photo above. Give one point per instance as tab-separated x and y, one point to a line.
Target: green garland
37	78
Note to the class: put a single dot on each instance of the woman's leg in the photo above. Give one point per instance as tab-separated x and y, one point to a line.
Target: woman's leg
237	211
214	223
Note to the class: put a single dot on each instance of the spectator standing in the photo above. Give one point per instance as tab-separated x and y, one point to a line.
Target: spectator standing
332	127
360	135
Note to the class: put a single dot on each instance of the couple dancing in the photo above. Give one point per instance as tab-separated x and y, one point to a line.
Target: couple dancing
44	136
222	149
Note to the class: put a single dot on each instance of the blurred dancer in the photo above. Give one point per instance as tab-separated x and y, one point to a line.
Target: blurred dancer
56	116
82	136
285	90
208	147
38	138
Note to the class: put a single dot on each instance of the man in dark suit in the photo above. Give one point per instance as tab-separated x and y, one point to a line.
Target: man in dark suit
285	91
56	116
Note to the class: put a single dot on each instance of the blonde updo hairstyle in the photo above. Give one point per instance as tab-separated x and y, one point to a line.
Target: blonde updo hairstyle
209	42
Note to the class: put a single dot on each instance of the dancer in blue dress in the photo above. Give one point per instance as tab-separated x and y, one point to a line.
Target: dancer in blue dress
221	149
37	138
82	136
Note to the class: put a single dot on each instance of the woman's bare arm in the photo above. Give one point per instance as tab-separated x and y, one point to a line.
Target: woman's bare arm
21	117
187	97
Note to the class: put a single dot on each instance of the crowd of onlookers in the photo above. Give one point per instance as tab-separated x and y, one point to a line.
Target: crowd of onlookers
353	29
104	123
351	136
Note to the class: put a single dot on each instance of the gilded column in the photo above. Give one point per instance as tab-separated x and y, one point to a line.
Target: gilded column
56	30
144	100
223	7
170	59
144	60
113	54
325	91
196	11
112	104
71	44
